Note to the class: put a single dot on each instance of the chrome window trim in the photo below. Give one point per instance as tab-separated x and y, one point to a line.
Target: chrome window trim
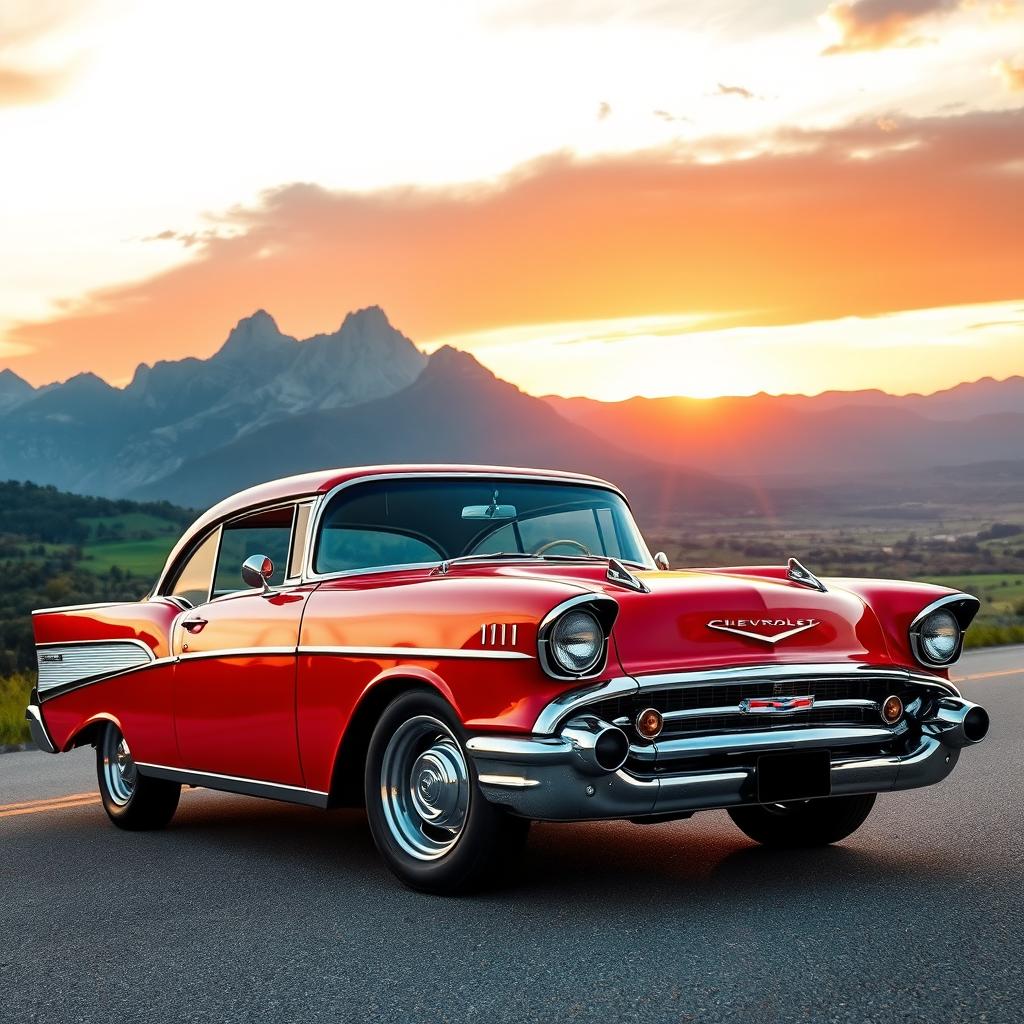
914	630
310	575
230	518
569	703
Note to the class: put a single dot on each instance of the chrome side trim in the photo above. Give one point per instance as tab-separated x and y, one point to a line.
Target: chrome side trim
73	661
59	691
413	652
238	652
76	607
236	784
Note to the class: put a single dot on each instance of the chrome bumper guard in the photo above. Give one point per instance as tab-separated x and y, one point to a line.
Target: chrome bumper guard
551	778
38	730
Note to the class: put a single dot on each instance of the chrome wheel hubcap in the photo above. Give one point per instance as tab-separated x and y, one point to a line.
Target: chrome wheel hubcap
119	771
425	788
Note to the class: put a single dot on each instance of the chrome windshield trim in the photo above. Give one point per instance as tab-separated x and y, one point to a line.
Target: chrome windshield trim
413	652
309	575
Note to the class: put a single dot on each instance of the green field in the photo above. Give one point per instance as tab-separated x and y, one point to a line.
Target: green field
138	557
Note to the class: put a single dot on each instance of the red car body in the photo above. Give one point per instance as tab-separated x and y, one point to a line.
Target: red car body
276	692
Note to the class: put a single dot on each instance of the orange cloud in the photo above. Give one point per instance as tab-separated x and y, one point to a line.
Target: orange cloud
876	24
854	221
1011	73
20	87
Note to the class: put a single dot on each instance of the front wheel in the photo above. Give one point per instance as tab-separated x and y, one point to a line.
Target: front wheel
132	801
805	822
427	815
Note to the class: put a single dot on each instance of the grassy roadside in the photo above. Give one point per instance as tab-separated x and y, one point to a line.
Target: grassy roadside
14	691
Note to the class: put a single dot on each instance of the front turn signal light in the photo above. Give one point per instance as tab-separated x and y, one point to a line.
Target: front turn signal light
892	710
649	723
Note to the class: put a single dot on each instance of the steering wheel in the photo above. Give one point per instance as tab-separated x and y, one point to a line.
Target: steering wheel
544	548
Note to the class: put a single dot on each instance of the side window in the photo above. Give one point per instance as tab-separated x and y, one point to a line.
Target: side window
262	533
193	582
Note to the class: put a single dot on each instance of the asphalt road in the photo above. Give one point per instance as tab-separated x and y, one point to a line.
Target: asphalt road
247	910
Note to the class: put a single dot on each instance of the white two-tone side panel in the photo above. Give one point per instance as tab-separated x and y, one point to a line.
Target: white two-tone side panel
60	664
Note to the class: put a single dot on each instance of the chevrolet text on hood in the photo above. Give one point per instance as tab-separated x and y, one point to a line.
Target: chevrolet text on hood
466	649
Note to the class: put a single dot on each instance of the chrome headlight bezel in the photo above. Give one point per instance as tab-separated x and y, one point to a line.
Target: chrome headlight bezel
602	609
959	609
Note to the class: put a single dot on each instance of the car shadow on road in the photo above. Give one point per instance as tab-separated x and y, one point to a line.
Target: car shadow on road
705	860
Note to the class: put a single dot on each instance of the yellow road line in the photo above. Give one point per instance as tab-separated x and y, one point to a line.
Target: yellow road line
52	804
990	675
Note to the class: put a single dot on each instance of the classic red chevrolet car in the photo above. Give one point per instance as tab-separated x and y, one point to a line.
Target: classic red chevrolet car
465	650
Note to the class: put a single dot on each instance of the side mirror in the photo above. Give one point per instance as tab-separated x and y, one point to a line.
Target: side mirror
256	570
661	561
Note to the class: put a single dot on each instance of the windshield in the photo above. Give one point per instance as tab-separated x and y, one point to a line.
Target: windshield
423	520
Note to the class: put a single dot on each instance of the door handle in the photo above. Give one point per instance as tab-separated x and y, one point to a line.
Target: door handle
195	624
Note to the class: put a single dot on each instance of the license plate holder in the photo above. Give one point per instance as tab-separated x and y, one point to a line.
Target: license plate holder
796	775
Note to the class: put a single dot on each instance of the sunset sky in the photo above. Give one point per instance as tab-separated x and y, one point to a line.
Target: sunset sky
695	198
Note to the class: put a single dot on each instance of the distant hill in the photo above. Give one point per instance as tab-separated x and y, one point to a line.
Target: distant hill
833	436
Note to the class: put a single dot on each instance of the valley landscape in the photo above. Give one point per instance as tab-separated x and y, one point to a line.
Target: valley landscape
102	479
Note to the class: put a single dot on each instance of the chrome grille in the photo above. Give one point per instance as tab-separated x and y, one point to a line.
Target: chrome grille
715	708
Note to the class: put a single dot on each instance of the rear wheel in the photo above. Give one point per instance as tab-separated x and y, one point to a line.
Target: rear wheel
804	822
132	801
427	816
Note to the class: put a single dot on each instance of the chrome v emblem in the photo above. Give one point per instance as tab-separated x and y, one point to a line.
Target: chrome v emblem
745	627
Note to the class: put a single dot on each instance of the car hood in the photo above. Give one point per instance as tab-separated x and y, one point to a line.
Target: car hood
705	619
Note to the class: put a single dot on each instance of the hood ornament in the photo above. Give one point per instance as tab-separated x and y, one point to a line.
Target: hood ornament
618	573
746	627
798	573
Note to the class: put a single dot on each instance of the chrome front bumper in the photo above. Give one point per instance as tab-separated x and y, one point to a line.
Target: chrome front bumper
551	779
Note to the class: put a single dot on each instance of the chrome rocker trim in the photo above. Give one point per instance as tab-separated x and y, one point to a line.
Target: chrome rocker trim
546	778
235	784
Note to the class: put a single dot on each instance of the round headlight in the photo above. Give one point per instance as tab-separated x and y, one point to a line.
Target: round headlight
939	637
577	642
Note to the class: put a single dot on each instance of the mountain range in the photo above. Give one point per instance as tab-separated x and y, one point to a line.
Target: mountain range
266	405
